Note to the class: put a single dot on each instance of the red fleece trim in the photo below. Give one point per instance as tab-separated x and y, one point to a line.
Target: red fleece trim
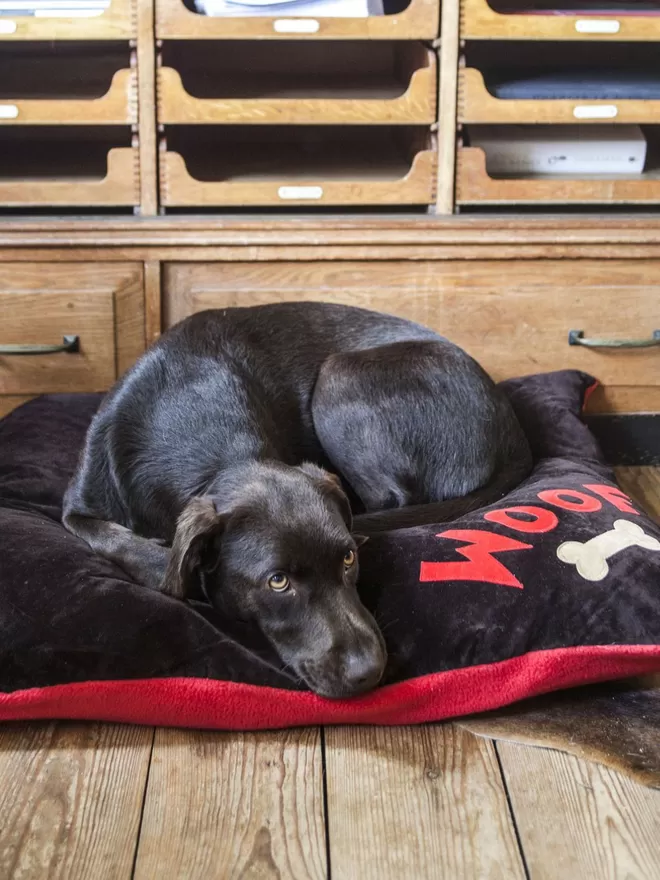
206	703
589	391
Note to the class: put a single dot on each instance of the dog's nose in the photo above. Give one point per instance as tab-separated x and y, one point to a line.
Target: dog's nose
363	671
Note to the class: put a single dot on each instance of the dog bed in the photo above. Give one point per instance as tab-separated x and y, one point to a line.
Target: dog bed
556	585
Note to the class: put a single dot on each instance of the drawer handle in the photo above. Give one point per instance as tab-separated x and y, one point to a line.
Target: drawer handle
70	345
576	337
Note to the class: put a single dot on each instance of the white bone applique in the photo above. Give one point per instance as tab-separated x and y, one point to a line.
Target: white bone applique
590	558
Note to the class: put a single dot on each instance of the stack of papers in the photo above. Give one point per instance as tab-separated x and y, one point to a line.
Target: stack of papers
290	8
53	8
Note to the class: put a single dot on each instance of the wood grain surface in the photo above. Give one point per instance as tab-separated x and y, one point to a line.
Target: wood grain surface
70	800
580	820
230	805
416	802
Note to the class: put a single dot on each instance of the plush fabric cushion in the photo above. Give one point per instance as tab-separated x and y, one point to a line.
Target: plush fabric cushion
502	604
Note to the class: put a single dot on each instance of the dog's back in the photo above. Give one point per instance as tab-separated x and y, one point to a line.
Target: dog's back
231	385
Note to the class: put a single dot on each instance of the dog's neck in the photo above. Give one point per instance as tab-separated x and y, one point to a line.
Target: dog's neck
244	478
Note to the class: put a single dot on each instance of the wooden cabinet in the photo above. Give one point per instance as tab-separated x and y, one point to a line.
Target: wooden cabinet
513	316
102	304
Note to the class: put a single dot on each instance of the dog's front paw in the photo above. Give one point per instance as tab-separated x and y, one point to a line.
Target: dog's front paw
153	564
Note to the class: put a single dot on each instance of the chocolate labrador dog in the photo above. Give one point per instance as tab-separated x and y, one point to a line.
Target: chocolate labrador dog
235	440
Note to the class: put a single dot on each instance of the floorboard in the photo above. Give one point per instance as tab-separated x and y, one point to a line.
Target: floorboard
418	803
234	805
580	820
70	800
642	484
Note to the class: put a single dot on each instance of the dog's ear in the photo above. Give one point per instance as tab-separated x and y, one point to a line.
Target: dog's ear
197	529
360	540
330	485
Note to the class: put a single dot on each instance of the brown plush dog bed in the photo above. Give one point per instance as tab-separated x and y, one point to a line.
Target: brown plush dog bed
556	585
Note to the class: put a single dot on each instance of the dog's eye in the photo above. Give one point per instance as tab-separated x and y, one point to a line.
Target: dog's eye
349	558
278	582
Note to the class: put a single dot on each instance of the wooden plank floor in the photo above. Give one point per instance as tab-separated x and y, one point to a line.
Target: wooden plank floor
95	801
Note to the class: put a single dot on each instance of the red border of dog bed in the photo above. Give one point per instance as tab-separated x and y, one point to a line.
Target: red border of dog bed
207	703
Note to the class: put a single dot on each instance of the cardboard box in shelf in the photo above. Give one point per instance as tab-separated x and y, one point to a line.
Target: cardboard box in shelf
420	20
561	150
481	22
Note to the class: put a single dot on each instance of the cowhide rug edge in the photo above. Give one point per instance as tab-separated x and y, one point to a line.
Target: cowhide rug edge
616	724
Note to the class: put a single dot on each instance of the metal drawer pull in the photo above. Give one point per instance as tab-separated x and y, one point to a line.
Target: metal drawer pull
70	345
576	337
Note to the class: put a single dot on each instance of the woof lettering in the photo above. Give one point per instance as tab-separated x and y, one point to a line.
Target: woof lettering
479	563
482	566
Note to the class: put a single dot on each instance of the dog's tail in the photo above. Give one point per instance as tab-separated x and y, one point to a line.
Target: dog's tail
505	480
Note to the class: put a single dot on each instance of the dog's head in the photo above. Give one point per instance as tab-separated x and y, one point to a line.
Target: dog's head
272	543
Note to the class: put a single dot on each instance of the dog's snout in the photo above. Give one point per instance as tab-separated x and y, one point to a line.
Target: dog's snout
363	671
342	673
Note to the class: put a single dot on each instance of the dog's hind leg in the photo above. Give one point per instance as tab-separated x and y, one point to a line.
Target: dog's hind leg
408	423
144	559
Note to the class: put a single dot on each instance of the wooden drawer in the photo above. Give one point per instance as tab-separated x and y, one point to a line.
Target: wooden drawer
514	317
298	165
203	83
43	85
477	104
420	20
47	170
479	21
474	186
40	303
117	22
117	107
